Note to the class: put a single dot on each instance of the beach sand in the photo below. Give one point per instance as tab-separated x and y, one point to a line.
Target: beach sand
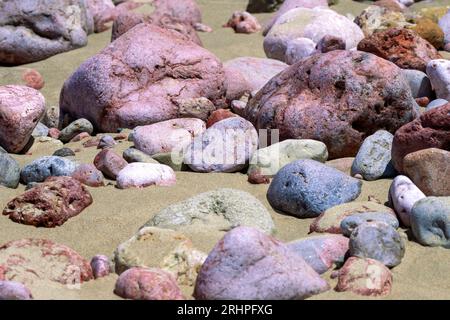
116	215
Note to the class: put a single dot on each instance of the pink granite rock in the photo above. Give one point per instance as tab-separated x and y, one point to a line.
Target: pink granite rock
54	133
101	266
243	22
89	175
110	163
219	115
141	175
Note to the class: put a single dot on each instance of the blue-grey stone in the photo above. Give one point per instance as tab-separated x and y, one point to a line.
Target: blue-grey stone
306	188
9	171
352	222
379	241
419	83
106	141
373	160
75	128
64	152
430	221
436	103
41	130
42	168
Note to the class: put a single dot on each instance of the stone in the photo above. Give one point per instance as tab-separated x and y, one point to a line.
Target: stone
306	188
134	155
106	141
12	290
436	103
218	210
40	130
219	115
74	129
64	152
338	97
430	31
329	43
364	276
350	223
102	12
439	72
250	265
376	18
391	5
89	175
199	108
258	6
419	83
48	166
33	79
100	265
147	284
224	147
298	49
9	171
173	160
109	163
21	108
49	204
159	64
373	160
243	22
54	133
444	23
141	175
378	241
430	221
51	117
321	252
422	102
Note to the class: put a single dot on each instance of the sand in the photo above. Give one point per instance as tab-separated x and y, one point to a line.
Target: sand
117	214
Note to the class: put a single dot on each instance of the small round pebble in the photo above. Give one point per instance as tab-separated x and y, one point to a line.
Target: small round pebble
64	152
101	266
106	142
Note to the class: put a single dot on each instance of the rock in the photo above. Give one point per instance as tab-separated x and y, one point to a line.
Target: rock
159	64
109	163
36	30
89	175
364	276
173	160
249	265
219	115
33	79
321	252
40	130
44	167
238	107
200	108
306	188
329	43
50	203
189	12
422	102
258	6
102	12
217	210
339	98
200	27
64	152
243	22
330	221
391	5
160	248
106	141
350	223
419	83
54	133
342	164
434	13
431	130
312	24
9	171
298	49
268	161
141	175
92	142
379	241
147	284
436	103
430	221
36	260
444	23
100	265
51	117
244	75
225	147
12	290
21	109
403	194
438	71
75	128
400	46
428	169
373	160
135	155
430	31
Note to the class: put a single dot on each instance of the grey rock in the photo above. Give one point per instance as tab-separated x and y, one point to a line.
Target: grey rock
9	171
171	159
64	152
436	103
349	224
106	141
418	82
49	166
41	130
75	128
134	155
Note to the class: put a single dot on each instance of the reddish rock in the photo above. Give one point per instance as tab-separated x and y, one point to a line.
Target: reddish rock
189	12
338	98
33	79
431	130
121	136
423	101
54	133
89	175
401	46
255	177
101	266
243	22
80	136
110	163
102	12
147	284
219	115
49	204
392	5
92	142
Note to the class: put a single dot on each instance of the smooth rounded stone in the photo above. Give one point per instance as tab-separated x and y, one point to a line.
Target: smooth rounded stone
298	49
44	167
141	175
21	108
430	221
102	11
159	63
74	129
36	260
101	266
106	141
9	171
350	223
33	79
444	23
89	175
64	152
12	290
243	22
268	161
49	204
339	98
429	170
166	249
403	194
247	264
364	276
135	155
41	130
36	30
436	104
306	188
173	160
321	252
373	160
219	115
419	83
342	164
109	163
330	221
244	75
224	147
438	71
219	210
167	136
329	43
312	24
379	241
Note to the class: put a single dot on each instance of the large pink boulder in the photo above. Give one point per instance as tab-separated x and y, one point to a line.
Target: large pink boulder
21	108
140	79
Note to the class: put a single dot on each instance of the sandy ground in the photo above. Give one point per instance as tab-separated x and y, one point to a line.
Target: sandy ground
116	214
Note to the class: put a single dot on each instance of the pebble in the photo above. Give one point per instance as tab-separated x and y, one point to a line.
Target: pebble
436	103
418	82
135	155
9	171
75	128
89	175
439	75
54	133
101	266
64	152
106	141
48	166
12	290
350	223
141	175
110	163
41	130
